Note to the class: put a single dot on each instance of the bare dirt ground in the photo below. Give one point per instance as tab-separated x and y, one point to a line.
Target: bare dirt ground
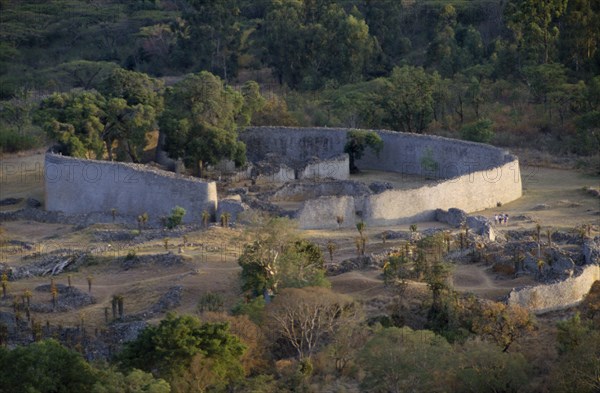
553	197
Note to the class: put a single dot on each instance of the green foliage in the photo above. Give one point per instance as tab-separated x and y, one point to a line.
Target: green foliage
428	163
176	217
253	308
220	23
136	381
571	333
357	142
280	258
577	367
12	141
44	366
398	360
408	98
169	349
534	25
479	131
483	367
587	139
75	120
210	302
309	43
200	120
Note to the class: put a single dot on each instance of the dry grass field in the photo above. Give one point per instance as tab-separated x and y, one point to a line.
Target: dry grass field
553	197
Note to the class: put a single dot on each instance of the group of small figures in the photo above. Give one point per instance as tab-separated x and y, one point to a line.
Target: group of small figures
501	219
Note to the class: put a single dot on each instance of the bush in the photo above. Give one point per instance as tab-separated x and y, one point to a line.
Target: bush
210	302
479	131
176	217
12	141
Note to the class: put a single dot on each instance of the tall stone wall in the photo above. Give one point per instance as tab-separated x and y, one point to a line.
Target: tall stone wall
402	152
76	186
473	176
549	297
470	192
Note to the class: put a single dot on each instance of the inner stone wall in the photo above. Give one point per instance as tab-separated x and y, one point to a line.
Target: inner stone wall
472	176
402	152
76	186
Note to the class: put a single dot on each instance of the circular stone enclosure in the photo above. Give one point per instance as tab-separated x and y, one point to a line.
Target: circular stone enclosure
470	176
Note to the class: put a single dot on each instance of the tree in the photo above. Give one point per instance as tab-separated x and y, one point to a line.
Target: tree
44	366
305	318
136	381
76	121
579	36
402	360
357	142
279	257
85	74
535	28
184	348
200	121
81	121
578	367
408	98
311	42
483	367
503	324
478	131
134	100
214	35
544	79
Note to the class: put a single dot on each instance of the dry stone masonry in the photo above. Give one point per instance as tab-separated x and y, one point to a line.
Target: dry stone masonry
470	176
76	186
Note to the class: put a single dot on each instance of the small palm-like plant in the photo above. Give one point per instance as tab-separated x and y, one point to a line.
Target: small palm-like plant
360	226
142	220
225	219
27	295
4	284
331	247
120	300
54	293
205	218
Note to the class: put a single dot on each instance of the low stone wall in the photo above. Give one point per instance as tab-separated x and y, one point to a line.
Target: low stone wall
337	167
76	186
563	294
323	213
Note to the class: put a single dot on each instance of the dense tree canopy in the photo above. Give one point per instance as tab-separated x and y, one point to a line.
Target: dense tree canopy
201	118
183	350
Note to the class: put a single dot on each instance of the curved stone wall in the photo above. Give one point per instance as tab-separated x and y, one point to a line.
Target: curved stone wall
76	186
563	294
472	176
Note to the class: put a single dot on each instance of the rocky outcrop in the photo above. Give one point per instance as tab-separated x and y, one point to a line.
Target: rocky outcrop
453	217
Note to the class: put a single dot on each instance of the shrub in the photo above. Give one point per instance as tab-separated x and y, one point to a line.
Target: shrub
12	141
210	302
479	131
176	217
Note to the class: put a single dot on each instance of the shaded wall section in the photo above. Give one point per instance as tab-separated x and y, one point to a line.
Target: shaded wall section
76	186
